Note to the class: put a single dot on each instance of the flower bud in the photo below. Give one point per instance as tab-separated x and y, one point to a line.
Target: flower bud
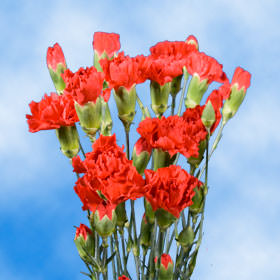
141	155
126	101
69	140
164	218
145	234
84	241
149	212
90	115
121	215
195	92
123	277
106	122
57	65
208	117
186	237
176	85
159	96
191	40
104	219
239	85
166	267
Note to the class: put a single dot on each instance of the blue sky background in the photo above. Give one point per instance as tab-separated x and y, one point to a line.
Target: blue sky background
38	206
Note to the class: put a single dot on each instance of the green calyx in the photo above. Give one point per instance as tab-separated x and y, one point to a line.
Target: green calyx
208	117
164	219
121	215
57	79
69	140
146	233
105	226
175	85
162	159
86	248
106	122
90	115
186	237
159	96
195	161
198	199
126	102
195	92
233	103
166	274
149	212
140	161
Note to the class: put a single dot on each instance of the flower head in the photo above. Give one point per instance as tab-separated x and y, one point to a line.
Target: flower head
106	42
55	56
241	78
82	231
170	188
52	112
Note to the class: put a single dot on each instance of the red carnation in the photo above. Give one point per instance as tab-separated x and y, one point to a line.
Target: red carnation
55	56
85	85
165	260
206	67
83	231
108	42
123	277
52	112
173	134
191	40
241	78
107	170
123	71
170	188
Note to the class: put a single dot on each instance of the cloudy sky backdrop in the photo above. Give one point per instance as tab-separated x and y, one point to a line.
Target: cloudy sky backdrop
38	206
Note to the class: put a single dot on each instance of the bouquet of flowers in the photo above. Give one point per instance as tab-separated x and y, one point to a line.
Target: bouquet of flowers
110	178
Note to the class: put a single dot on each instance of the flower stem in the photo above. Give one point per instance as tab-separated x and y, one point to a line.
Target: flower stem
182	97
113	260
119	264
173	105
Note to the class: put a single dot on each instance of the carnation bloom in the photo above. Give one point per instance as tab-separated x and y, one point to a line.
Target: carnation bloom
174	134
107	170
106	42
170	188
83	231
55	56
123	71
85	85
52	112
206	67
165	260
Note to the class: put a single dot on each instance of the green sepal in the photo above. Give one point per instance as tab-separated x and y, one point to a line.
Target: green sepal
198	199
195	92
159	97
150	214
195	161
175	85
126	101
162	159
106	122
208	117
140	161
57	79
86	248
69	140
90	115
166	274
121	215
145	233
164	218
233	103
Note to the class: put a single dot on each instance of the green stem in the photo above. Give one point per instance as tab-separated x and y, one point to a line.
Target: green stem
127	143
123	253
184	224
168	245
113	260
173	105
144	110
152	253
96	242
104	258
82	150
143	265
119	264
159	250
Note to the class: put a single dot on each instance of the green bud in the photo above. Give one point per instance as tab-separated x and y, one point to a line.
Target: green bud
159	96
90	115
208	117
104	226
176	85
195	92
145	233
164	218
233	103
166	267
121	215
135	250
69	140
126	102
149	212
198	198
186	237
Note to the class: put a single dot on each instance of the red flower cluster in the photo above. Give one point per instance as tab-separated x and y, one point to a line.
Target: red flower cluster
55	56
109	172
82	230
108	42
175	134
52	112
170	188
85	85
